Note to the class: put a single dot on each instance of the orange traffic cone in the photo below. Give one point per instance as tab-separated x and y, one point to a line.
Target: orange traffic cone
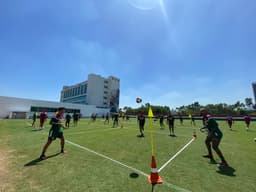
154	178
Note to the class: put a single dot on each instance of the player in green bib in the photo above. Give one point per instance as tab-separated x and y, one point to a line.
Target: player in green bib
213	138
55	132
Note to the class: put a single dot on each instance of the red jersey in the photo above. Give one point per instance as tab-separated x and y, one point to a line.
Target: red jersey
247	119
43	116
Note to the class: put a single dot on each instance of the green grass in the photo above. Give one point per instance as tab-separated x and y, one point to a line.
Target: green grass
80	170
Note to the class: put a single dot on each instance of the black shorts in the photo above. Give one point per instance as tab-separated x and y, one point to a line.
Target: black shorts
54	134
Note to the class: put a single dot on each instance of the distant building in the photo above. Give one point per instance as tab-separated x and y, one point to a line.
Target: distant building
96	90
254	90
11	107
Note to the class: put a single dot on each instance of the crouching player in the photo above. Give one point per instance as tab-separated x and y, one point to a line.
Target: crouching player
213	138
55	132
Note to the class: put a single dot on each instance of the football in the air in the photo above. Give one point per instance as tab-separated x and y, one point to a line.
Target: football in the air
138	100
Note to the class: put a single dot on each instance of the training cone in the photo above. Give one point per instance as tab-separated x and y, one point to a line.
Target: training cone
154	178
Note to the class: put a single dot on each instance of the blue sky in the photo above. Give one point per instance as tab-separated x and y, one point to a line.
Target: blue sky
169	52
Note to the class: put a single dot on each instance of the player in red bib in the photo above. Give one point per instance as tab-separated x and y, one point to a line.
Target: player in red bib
43	117
230	122
247	120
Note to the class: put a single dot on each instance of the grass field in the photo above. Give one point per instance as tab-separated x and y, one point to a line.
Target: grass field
117	152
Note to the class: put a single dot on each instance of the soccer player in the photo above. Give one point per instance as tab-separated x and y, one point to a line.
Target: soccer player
161	121
107	119
75	118
230	122
115	122
247	120
43	117
34	120
170	121
213	138
141	120
55	132
68	118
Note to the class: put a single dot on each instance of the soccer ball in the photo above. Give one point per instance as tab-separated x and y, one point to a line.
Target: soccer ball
255	139
138	100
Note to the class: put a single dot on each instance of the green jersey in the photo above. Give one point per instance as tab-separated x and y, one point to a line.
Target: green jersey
56	125
213	128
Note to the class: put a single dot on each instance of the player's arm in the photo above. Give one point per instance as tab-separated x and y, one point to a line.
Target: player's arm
202	129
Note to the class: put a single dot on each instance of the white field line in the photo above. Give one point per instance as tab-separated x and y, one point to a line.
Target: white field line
174	156
127	166
89	131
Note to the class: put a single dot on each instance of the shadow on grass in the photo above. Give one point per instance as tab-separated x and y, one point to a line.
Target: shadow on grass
228	171
37	160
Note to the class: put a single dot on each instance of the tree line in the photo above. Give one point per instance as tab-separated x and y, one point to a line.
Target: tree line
237	108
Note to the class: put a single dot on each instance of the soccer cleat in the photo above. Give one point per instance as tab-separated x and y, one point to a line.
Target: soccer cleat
223	164
42	157
63	151
208	156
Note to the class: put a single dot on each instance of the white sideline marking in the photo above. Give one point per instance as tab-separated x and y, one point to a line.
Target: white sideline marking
89	131
173	157
129	167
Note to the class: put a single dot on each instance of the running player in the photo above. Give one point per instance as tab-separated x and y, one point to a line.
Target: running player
230	122
55	132
247	120
213	138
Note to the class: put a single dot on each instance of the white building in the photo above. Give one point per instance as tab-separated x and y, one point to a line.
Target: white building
12	107
97	90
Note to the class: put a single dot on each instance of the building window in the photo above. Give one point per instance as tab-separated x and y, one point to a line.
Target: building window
79	90
106	82
105	92
105	98
105	86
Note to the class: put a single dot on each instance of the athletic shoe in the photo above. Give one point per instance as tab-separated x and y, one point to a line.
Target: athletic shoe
208	156
42	157
63	151
223	164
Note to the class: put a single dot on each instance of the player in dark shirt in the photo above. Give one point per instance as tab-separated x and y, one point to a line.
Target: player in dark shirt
213	138
68	118
141	120
170	121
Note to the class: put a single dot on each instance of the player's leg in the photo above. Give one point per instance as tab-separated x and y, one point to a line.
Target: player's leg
62	143
172	127
42	156
215	146
208	146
